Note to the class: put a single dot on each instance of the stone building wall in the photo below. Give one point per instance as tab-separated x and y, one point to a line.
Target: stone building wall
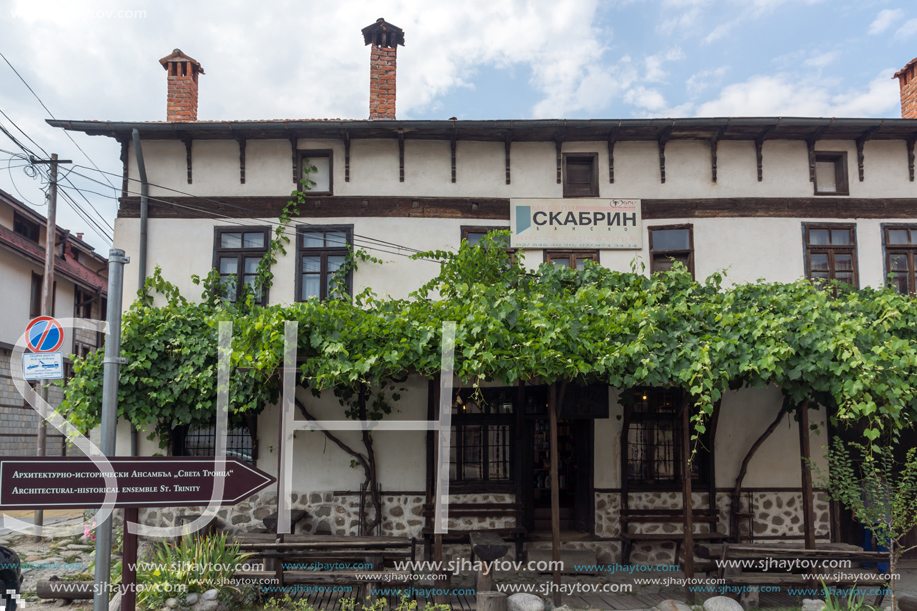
18	421
777	514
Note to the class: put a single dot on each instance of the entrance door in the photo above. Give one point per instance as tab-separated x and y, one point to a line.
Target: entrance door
575	452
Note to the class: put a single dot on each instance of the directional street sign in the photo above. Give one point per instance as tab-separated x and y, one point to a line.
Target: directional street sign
44	334
150	481
43	366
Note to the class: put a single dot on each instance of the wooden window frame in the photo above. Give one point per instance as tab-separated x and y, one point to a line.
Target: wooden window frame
240	253
573	255
831	250
20	220
324	252
594	184
311	154
650	420
909	250
839	158
654	253
36	297
485	421
83	300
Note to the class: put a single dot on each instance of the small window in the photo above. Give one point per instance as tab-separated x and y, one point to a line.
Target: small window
25	227
321	252
322	175
236	255
35	296
580	175
481	436
670	244
201	441
831	253
900	247
574	259
654	437
831	174
82	303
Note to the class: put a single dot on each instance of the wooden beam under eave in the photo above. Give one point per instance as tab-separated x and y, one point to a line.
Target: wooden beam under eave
507	146
241	141
188	141
860	143
910	156
452	146
346	156
611	157
294	146
401	156
558	145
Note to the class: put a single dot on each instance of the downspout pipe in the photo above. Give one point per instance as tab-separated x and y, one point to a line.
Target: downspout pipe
141	258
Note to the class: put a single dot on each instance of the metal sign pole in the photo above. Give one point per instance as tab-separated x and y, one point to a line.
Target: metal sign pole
112	363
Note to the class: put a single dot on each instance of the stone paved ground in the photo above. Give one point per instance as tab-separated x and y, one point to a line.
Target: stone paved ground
64	557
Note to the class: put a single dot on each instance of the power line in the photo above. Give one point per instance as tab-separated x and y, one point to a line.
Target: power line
234	221
84	215
65	177
66	133
253	212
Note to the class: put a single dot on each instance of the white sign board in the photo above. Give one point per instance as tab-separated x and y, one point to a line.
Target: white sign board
43	366
570	223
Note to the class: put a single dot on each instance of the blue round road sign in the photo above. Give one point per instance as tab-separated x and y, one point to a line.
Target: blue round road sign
44	334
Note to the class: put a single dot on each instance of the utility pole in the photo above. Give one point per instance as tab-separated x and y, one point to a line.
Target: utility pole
112	369
47	299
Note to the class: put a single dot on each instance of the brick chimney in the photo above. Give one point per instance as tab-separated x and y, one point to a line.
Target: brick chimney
907	78
181	103
384	38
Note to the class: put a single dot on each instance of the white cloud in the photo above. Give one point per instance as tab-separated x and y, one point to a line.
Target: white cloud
654	71
784	95
885	19
821	60
907	30
705	79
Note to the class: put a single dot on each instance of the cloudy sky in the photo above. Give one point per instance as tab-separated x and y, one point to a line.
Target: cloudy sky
471	59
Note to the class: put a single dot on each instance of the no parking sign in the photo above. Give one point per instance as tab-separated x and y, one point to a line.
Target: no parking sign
44	337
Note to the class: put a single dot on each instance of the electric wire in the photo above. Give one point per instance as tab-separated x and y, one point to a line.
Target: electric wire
255	213
64	177
235	221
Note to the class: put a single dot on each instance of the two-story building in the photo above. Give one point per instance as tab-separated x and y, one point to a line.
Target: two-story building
779	198
80	290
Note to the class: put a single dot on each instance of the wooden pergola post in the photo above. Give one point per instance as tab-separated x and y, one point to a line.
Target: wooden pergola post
555	492
808	509
687	501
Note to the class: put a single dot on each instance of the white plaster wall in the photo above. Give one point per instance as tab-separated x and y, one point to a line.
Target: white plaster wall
744	416
319	464
15	298
748	249
480	169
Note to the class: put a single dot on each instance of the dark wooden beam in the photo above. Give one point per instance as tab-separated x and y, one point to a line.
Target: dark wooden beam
507	146
810	145
808	509
714	142
910	156
558	144
452	146
861	142
125	143
187	142
759	150
555	492
241	141
401	156
294	151
611	156
686	499
346	156
663	139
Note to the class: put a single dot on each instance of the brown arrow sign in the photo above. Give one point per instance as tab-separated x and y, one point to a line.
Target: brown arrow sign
150	481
